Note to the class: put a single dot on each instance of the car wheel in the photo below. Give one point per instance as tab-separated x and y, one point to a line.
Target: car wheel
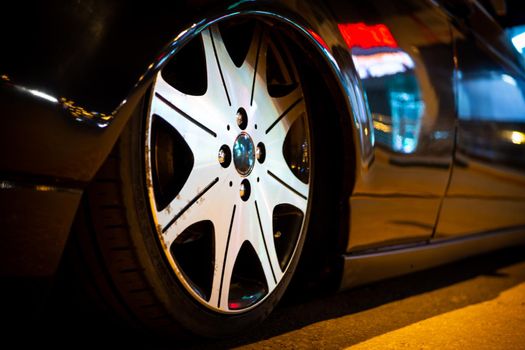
200	214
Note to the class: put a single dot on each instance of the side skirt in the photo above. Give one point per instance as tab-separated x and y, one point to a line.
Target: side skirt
367	267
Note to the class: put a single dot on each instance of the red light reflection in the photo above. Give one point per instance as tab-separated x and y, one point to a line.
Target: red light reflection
234	306
365	36
318	38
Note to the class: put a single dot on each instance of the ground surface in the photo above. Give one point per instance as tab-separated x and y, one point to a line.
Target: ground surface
478	303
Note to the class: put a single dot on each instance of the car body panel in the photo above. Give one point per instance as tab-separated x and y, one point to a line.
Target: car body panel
404	56
487	188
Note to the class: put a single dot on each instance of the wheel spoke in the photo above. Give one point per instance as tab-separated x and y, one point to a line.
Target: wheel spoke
191	116
294	192
230	78
274	189
218	66
197	201
255	62
270	261
242	82
228	244
285	111
253	225
289	187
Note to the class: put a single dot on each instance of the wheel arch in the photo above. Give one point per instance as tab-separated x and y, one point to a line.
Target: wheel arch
322	114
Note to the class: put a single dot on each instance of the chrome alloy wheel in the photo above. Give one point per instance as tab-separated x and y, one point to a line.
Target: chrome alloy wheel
228	171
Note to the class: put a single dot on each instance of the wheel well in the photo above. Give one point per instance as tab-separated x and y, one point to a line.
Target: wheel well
320	267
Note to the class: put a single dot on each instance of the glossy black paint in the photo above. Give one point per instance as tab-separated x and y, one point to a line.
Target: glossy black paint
92	52
409	89
487	187
416	164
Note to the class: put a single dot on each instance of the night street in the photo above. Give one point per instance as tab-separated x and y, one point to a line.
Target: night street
205	174
477	303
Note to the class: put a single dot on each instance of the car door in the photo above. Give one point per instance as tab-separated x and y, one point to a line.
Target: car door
487	188
402	51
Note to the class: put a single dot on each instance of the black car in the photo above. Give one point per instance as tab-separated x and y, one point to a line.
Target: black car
194	156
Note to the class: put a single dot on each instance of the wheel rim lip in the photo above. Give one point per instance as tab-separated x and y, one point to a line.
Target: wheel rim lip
191	31
181	276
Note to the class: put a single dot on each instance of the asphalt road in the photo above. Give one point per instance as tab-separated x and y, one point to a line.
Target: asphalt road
477	303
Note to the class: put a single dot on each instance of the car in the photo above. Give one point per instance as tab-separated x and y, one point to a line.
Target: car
195	158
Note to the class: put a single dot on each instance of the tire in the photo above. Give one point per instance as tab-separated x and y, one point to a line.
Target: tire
199	216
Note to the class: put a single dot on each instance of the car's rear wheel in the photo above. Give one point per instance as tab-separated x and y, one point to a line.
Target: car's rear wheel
200	214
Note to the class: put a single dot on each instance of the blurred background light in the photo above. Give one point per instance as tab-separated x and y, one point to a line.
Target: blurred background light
517	37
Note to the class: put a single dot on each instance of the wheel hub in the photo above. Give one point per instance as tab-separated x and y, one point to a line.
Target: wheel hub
243	154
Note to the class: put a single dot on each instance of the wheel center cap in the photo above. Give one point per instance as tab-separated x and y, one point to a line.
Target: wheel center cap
243	154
